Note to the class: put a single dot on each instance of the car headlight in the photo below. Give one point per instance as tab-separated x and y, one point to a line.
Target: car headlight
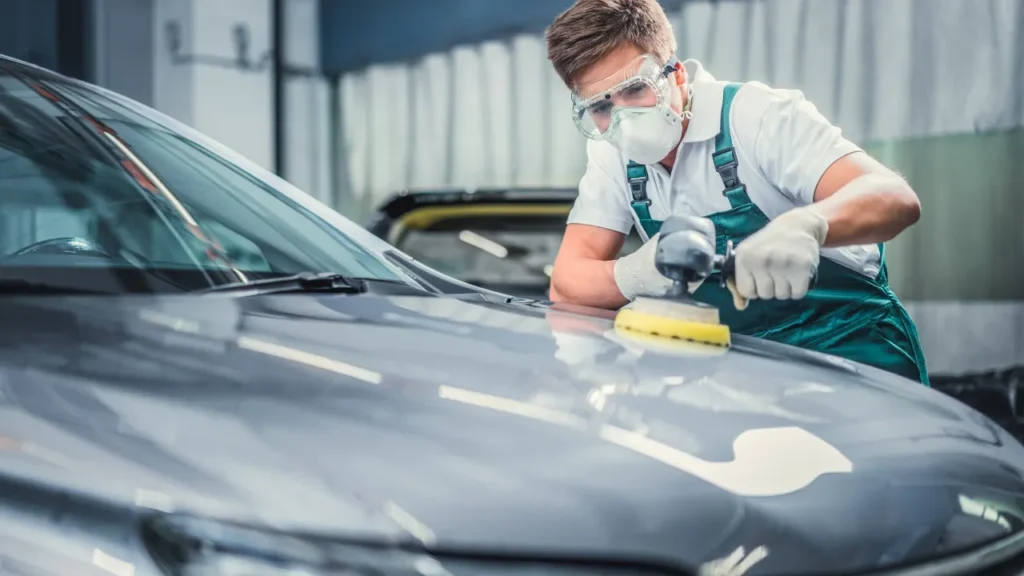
190	546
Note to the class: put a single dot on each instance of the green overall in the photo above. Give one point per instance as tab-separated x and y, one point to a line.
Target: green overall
846	314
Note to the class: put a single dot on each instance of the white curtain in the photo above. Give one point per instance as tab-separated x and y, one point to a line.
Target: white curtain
308	135
479	116
496	114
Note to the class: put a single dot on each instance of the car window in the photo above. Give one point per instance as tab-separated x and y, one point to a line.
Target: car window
79	168
499	250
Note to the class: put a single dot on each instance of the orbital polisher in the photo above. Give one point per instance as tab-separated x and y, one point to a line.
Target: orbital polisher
685	254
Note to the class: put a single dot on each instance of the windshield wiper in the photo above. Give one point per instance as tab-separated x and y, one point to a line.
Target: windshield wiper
25	287
302	282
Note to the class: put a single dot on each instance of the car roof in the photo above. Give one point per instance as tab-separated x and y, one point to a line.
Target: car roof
34	70
403	202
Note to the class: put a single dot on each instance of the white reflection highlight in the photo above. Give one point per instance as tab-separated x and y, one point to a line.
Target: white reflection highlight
477	241
47	455
153	500
310	359
973	507
409	523
597	399
511	406
427	566
735	564
809	388
175	323
766	462
111	564
716	396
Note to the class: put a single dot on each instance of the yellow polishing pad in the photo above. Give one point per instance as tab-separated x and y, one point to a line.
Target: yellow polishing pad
667	346
632	320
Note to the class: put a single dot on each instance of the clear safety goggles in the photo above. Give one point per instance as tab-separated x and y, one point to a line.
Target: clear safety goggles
643	83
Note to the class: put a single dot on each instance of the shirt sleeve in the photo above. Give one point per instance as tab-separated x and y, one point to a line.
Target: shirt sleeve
795	144
602	191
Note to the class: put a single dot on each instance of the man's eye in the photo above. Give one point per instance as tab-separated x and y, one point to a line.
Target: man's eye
636	93
600	109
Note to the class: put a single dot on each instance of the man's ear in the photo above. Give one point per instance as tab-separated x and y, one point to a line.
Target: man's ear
680	74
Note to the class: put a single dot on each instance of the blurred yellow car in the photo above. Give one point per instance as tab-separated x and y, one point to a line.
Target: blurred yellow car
504	240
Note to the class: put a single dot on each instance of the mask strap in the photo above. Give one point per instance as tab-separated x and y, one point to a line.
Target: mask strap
687	114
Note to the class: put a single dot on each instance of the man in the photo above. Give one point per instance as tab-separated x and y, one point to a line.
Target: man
771	173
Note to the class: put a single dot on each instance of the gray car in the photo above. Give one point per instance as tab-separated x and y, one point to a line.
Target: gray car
205	371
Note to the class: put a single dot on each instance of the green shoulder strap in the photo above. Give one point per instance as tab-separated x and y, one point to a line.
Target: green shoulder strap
724	156
883	270
636	176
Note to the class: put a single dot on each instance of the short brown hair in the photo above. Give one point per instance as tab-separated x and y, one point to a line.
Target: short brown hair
590	29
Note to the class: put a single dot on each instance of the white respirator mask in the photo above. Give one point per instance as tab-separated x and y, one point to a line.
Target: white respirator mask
648	135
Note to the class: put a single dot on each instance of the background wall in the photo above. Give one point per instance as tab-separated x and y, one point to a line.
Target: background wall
311	109
934	88
28	30
123	47
56	34
204	86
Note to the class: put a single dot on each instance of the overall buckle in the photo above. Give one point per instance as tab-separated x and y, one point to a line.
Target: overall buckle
639	191
636	176
727	167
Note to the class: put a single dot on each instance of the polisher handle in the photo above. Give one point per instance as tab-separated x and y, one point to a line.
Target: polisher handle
725	264
725	267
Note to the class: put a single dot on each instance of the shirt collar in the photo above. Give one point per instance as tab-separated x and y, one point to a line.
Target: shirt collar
705	122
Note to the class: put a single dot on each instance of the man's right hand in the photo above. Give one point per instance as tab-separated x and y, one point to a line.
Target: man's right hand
584	268
636	274
586	272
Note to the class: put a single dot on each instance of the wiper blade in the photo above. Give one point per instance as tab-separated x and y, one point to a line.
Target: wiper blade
26	287
302	282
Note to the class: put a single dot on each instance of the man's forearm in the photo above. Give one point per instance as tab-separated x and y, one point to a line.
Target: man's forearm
871	208
587	283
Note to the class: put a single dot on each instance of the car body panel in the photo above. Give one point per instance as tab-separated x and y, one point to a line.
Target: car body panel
480	426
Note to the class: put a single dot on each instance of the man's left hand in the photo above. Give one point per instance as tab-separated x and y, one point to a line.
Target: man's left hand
780	260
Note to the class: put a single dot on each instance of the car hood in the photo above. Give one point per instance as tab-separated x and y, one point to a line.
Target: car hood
468	425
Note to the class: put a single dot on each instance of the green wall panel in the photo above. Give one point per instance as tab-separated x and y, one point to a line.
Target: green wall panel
969	243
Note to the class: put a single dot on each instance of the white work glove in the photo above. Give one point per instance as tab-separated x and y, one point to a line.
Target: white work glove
636	275
780	260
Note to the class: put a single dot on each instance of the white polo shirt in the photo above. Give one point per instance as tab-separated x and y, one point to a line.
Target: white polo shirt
783	145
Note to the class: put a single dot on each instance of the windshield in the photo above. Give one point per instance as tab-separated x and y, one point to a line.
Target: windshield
506	251
93	187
